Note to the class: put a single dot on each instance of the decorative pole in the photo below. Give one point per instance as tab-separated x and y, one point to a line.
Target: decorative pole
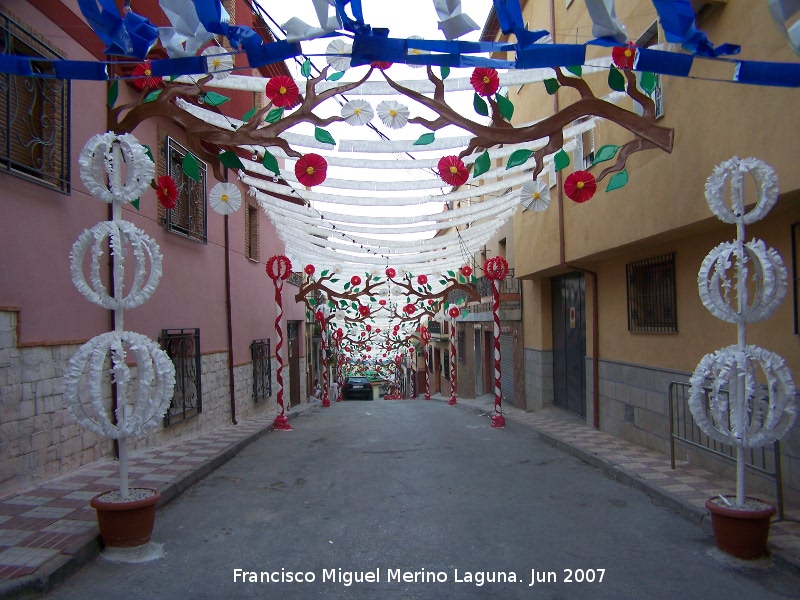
279	268
337	339
323	316
496	269
425	336
412	393
453	313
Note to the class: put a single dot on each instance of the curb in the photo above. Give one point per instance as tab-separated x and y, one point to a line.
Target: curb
60	567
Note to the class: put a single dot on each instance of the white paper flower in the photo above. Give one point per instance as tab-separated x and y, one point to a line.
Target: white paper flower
339	52
535	196
225	198
357	112
218	62
415	51
393	114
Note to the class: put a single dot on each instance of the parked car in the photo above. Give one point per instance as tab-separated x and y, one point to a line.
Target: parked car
357	388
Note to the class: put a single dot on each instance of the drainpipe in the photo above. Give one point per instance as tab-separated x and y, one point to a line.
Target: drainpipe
592	274
229	315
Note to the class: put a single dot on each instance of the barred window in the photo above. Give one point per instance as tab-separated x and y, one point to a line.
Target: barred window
183	347
188	218
251	239
262	370
34	113
652	302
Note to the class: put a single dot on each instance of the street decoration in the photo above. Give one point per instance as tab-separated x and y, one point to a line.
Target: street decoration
453	313
279	268
496	269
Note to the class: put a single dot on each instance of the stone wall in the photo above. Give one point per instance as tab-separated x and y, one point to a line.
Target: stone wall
538	379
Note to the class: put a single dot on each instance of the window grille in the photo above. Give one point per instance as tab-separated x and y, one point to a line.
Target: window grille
447	364
652	302
183	347
34	113
188	218
262	370
252	242
796	275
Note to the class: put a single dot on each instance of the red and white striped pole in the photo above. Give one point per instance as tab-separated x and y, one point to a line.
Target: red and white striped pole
496	269
323	317
279	268
425	336
453	313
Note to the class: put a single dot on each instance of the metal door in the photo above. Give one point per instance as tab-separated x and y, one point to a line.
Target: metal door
292	330
478	364
569	342
507	367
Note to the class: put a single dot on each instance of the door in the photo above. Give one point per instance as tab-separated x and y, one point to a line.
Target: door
569	343
507	367
478	364
488	363
292	328
437	369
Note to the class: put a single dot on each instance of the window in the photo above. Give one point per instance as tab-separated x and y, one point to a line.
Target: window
796	275
651	295
447	364
183	347
262	370
34	113
647	40
251	240
188	218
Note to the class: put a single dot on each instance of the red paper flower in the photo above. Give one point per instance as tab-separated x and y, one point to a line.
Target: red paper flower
167	192
363	310
309	269
430	302
311	169
453	312
355	280
282	90
453	171
422	279
580	186
390	272
495	268
378	330
382	302
279	267
369	348
143	76
380	64
410	309
363	334
485	81
624	56
466	270
368	327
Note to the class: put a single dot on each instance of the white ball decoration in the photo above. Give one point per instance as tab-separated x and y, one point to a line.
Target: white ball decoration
103	161
733	170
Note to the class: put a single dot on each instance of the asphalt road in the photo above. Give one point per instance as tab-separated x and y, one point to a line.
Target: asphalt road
387	492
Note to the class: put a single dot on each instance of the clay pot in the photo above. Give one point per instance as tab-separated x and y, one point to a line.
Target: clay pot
126	524
741	533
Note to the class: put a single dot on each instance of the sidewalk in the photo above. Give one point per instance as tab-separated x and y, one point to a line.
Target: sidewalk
684	489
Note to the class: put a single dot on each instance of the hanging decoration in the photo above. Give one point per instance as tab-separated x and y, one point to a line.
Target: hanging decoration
225	198
393	114
311	169
425	336
580	186
535	196
219	62
323	316
453	313
279	268
167	192
496	269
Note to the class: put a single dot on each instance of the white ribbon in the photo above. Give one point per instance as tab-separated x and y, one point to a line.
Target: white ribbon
297	29
784	11
187	34
452	22
605	20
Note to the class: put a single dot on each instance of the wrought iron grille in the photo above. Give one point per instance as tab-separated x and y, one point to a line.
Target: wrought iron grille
652	302
262	370
183	347
434	327
296	278
188	218
34	112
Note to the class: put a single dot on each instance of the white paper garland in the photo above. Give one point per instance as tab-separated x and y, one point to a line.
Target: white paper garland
101	173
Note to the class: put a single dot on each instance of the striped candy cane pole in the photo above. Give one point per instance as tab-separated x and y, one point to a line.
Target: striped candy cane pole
326	402
412	393
278	269
496	268
452	363
427	376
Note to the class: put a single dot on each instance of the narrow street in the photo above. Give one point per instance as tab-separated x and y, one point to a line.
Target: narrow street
384	492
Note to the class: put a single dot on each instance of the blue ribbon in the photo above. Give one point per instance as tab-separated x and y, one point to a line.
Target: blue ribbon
551	55
666	63
509	16
765	73
677	19
132	36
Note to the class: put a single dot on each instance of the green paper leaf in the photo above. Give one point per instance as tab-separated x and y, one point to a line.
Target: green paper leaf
551	85
518	157
305	70
343	303
648	83
617	181
451	273
561	160
445	71
135	203
482	164
191	167
249	114
354	306
113	93
274	115
464	312
347	286
148	152
324	273
616	80
575	70
605	153
335	76
372	299
506	107
442	282
151	96
480	106
271	163
230	160
214	99
334	280
425	139
323	136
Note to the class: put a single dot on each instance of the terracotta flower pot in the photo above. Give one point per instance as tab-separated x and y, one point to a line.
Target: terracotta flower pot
741	533
126	524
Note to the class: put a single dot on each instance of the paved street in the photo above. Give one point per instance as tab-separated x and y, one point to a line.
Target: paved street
385	490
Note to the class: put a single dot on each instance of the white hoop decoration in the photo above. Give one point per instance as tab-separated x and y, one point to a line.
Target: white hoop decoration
755	419
734	170
101	162
225	198
120	234
154	385
718	290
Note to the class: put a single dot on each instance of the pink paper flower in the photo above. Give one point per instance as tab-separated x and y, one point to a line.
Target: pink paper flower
144	78
485	81
282	91
624	56
453	171
311	169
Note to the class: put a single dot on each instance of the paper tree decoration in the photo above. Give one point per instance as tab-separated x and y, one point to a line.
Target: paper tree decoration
116	169
733	408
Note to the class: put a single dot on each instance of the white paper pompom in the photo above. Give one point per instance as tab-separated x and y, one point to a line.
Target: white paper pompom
357	112
393	114
115	167
535	196
339	52
225	198
218	62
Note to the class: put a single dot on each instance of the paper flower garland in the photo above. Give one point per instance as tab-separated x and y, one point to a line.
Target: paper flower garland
311	169
310	269
485	81
143	76
101	169
282	91
218	62
535	196
624	56
390	272
495	268
225	198
167	192
393	114
355	280
580	186
453	171
357	112
338	55
466	270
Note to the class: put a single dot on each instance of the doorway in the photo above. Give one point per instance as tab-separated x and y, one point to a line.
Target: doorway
569	342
